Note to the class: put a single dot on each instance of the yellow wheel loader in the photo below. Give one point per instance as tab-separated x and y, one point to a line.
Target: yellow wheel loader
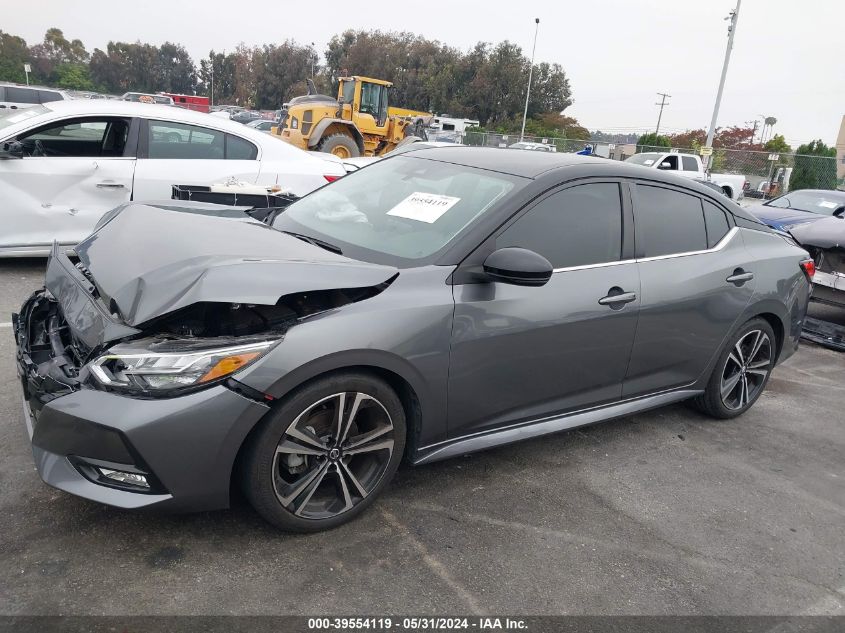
358	123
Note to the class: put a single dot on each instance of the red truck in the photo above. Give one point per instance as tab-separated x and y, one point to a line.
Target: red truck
190	102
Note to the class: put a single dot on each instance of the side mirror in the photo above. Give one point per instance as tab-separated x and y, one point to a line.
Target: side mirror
518	266
665	165
11	149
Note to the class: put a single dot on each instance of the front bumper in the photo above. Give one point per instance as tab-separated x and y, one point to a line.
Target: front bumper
185	446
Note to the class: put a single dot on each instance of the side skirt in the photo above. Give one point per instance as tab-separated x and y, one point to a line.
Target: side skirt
544	426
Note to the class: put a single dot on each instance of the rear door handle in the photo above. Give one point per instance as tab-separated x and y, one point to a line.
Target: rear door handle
621	298
740	277
110	185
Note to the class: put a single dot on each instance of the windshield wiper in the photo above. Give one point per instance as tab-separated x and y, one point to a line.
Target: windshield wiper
316	242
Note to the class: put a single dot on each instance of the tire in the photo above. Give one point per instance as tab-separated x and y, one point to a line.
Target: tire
339	473
340	145
741	371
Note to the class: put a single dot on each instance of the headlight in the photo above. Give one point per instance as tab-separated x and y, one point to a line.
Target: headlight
156	366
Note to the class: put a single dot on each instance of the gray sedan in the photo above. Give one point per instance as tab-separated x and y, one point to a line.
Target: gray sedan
439	302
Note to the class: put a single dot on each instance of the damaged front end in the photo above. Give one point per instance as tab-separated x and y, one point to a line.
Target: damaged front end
164	302
825	241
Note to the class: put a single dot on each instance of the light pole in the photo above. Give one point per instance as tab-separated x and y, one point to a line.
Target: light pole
313	56
530	74
662	105
212	82
733	17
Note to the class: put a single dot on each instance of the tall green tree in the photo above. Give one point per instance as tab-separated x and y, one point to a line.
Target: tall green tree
814	168
13	55
647	141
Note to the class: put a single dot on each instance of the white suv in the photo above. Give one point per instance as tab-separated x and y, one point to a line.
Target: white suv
17	97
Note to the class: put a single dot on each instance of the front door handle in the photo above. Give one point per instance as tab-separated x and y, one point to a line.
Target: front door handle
617	296
740	277
110	185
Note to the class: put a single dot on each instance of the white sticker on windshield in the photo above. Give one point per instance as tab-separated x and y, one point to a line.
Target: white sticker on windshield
827	204
648	162
424	207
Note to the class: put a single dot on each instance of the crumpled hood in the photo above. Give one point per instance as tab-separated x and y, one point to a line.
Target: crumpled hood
827	233
149	259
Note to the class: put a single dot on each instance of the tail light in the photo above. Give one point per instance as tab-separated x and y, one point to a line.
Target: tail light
330	178
809	268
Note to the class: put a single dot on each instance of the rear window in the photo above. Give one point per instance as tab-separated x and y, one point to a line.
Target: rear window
239	149
668	222
15	94
46	96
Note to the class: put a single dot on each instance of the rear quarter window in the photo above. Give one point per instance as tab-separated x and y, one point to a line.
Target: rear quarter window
716	222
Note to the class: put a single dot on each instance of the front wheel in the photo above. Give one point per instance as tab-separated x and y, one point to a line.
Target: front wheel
340	145
326	454
742	371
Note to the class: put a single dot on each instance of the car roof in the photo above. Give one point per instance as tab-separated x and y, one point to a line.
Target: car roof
115	107
525	164
11	84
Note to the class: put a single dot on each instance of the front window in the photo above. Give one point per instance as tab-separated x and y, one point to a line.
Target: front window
348	91
821	203
371	96
403	207
78	138
648	159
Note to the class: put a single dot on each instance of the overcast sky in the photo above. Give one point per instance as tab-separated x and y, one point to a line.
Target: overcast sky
788	58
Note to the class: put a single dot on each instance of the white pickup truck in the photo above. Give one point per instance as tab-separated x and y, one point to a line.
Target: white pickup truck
689	166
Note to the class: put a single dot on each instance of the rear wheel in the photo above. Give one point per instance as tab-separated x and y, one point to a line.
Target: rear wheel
326	454
742	371
340	145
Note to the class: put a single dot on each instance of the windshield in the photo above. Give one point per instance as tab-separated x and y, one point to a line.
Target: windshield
16	116
404	207
646	159
812	201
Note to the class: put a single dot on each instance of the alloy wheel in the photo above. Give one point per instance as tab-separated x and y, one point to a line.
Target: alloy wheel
333	455
746	369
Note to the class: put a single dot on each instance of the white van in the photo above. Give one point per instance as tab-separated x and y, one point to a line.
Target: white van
17	97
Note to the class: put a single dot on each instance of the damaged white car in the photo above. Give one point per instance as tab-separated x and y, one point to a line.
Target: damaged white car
64	164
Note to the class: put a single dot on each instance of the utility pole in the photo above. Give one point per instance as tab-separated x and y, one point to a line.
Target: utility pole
530	73
662	104
212	82
733	17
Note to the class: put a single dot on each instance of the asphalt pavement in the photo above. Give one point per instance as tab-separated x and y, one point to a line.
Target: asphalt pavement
666	512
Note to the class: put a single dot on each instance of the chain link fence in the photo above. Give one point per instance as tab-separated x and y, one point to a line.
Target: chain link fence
767	174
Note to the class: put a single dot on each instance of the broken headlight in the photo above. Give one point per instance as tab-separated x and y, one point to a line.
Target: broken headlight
154	366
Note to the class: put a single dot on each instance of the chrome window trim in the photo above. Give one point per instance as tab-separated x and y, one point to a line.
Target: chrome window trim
567	269
721	245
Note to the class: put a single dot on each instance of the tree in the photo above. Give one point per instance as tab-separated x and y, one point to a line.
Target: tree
814	168
691	139
13	55
53	52
73	77
651	139
777	144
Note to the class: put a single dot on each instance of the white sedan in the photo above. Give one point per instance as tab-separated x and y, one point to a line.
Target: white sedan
64	164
